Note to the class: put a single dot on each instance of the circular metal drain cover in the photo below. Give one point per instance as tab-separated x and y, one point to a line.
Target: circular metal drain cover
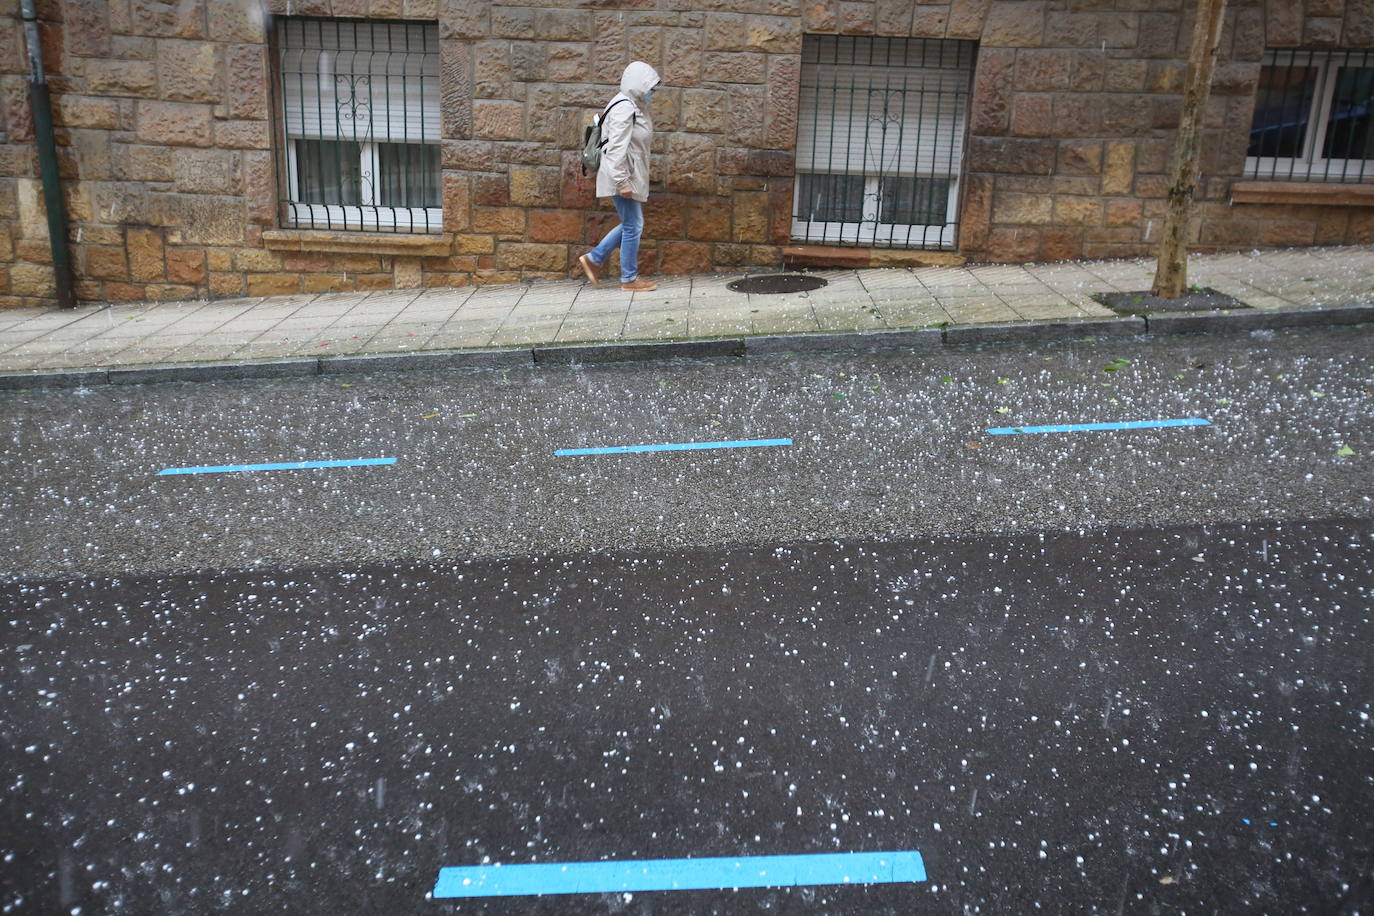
776	283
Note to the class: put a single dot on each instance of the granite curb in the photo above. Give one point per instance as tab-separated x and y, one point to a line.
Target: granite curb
208	372
1037	331
427	359
918	340
638	350
1251	320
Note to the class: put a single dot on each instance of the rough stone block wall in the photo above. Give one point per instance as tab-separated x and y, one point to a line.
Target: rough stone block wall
1074	113
162	117
725	123
166	135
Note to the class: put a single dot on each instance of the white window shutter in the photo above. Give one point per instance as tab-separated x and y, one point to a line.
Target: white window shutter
892	122
366	82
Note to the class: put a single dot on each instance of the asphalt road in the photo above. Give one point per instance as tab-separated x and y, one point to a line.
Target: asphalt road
1118	721
1091	672
887	444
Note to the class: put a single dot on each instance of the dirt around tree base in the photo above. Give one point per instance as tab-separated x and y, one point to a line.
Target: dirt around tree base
1205	299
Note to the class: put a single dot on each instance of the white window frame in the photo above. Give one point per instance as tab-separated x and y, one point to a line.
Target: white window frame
872	232
369	214
1310	165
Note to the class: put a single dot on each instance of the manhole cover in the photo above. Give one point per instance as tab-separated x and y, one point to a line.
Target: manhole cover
776	283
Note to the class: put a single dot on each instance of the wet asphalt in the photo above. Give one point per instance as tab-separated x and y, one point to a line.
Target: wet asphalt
885	444
1117	721
1094	672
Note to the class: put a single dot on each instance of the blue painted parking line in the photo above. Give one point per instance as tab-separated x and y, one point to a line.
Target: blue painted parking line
680	874
1079	427
275	466
672	447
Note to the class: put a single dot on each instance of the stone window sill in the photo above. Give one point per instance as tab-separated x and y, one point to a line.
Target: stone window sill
1302	192
439	244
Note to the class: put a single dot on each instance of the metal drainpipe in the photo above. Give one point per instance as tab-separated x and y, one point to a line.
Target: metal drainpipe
41	104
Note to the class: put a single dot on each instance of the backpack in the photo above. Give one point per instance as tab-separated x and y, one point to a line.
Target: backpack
592	142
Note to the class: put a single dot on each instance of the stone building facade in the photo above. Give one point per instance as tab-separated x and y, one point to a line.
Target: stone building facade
172	132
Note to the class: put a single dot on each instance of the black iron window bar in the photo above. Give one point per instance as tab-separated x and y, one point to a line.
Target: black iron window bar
1312	121
360	119
880	140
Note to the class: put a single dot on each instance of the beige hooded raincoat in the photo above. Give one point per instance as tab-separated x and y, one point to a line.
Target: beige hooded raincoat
627	132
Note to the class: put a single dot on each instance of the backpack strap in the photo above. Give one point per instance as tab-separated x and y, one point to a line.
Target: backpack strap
608	111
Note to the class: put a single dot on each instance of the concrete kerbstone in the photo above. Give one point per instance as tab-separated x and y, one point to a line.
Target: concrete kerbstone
207	372
1214	322
628	352
438	359
55	379
1030	331
920	339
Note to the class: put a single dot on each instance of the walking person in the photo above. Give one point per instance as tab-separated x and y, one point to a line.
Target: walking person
623	176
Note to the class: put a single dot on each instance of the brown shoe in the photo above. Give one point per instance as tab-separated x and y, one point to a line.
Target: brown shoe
638	285
589	268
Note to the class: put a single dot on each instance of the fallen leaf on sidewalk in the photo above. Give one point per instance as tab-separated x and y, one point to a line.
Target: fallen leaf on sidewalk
1345	451
1001	410
973	445
429	416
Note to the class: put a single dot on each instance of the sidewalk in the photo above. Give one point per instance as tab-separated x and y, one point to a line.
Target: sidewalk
518	324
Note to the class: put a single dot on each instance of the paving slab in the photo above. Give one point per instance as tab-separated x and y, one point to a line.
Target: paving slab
1005	303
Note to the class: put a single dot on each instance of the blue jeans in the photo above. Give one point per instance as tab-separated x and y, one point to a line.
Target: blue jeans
625	236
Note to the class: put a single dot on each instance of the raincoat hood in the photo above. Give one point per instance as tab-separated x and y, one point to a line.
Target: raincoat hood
638	79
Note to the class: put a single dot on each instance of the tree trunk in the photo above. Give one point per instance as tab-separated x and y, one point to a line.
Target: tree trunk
1171	276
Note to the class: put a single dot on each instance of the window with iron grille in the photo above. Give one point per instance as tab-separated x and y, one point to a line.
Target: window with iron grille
1313	113
360	120
880	140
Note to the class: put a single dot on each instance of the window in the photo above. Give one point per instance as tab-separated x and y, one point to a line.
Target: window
1312	117
360	118
880	140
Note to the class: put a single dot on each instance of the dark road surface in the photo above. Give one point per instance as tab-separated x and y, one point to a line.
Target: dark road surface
1120	672
1130	721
